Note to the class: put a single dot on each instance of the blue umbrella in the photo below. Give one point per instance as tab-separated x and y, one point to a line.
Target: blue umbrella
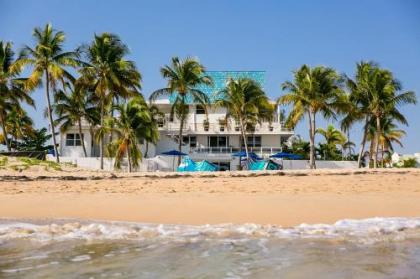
295	156
282	155
174	153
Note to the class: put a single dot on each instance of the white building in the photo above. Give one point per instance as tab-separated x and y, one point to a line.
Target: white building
205	137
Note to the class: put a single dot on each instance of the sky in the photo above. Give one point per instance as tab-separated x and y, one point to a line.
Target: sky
275	36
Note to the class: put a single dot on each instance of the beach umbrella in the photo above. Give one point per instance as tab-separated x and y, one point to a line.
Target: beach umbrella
295	156
174	153
282	155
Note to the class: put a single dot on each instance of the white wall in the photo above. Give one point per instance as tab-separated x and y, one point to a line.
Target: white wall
270	140
303	164
75	151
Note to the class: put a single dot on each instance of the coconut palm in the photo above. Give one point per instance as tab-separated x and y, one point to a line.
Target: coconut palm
314	91
331	134
374	94
385	99
134	117
108	74
183	80
358	102
12	89
19	125
333	137
390	134
246	103
72	106
48	59
151	132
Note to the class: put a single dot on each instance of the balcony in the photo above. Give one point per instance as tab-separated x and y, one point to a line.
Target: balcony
260	151
219	128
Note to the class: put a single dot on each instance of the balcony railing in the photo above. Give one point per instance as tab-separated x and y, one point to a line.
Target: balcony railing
212	128
261	151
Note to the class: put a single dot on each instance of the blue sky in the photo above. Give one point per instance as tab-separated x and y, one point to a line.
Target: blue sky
276	36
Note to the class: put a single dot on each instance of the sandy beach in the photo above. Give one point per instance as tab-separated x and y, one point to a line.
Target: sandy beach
280	198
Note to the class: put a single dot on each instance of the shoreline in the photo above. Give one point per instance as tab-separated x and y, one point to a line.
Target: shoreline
286	198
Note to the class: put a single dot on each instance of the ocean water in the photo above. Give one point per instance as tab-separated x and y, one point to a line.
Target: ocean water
369	248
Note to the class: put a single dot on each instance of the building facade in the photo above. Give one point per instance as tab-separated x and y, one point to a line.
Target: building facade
205	136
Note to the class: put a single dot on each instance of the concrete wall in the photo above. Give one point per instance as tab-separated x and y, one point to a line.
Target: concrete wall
303	164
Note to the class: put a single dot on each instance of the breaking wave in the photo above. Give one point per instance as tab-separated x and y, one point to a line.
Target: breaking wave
364	230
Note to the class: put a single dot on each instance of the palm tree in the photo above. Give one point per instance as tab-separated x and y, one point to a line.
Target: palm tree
358	102
389	134
48	59
151	132
374	94
314	90
72	106
246	103
333	137
134	118
384	102
12	89
183	79
108	74
331	134
19	125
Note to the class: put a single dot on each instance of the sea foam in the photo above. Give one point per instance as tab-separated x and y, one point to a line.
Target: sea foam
365	230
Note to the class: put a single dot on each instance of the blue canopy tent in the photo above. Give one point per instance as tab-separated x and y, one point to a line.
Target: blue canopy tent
189	165
174	153
252	157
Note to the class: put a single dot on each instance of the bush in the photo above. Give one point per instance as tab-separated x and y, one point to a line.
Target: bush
407	163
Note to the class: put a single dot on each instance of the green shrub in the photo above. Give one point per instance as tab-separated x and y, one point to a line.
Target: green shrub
407	163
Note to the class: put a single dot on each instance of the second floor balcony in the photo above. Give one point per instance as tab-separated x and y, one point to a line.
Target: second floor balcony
222	127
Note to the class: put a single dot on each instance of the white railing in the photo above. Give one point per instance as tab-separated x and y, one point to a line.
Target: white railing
262	150
212	128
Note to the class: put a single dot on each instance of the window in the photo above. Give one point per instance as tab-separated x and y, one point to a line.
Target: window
189	140
161	122
193	142
218	141
199	109
73	140
253	141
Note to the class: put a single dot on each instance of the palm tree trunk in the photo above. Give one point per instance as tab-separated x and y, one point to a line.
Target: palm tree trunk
3	124
349	147
147	149
47	93
181	127
112	115
101	140
312	140
244	138
382	153
363	143
129	157
376	146
81	137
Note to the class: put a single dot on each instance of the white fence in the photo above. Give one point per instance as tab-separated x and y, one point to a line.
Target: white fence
162	163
